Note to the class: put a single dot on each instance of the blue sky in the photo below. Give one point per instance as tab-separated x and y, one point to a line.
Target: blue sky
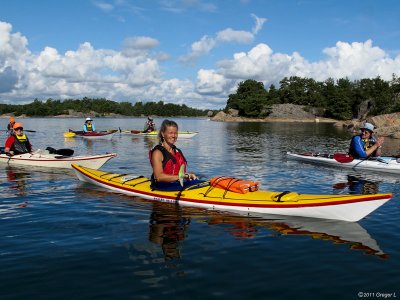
188	51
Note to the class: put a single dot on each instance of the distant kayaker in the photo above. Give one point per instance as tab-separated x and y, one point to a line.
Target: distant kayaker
166	160
10	125
88	126
149	126
17	142
365	144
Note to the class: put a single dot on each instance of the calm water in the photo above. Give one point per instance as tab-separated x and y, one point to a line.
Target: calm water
63	239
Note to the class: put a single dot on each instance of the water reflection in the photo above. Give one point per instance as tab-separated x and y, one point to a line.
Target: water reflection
167	229
18	179
336	232
356	184
169	224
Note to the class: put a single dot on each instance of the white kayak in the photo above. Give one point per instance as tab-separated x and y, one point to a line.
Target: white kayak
380	164
41	158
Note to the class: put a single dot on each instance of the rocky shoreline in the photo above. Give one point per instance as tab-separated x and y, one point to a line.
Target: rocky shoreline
386	125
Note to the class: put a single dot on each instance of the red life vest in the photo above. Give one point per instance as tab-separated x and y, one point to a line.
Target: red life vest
171	162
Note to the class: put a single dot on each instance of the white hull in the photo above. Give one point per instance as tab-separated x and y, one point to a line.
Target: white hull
55	161
388	164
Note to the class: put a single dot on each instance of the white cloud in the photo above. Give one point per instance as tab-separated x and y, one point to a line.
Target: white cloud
199	48
234	36
114	75
259	24
138	46
355	61
106	7
209	82
206	43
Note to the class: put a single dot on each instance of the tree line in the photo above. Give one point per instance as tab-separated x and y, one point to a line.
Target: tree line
338	99
101	106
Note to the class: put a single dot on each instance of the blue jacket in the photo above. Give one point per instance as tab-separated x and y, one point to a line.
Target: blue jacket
358	147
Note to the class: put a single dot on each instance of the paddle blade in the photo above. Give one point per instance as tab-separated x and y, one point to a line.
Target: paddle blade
65	152
181	174
69	134
343	158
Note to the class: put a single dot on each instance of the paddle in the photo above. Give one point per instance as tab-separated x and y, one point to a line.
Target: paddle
135	131
26	130
181	174
63	152
69	134
343	158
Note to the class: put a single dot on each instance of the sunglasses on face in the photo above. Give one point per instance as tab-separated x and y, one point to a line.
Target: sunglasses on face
19	128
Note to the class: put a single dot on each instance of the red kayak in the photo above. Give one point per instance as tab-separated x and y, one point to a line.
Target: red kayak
94	134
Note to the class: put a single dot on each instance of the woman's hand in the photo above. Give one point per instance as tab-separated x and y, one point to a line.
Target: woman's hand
190	176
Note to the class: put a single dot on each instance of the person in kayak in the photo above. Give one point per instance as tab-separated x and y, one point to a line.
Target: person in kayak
166	160
17	142
365	145
10	124
88	126
149	126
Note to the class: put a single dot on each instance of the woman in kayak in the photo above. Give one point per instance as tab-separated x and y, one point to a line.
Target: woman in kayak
365	144
17	142
166	160
149	126
88	126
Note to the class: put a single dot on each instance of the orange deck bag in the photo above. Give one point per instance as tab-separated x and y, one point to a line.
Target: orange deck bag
234	185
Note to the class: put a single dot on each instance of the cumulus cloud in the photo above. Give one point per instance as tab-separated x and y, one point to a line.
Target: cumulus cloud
133	73
199	48
8	80
210	83
234	36
352	60
206	43
136	46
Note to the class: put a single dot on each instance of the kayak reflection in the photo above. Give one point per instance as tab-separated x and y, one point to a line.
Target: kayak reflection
169	225
357	184
337	232
18	179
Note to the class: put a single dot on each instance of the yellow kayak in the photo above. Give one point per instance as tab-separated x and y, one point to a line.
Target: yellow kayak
350	208
181	134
